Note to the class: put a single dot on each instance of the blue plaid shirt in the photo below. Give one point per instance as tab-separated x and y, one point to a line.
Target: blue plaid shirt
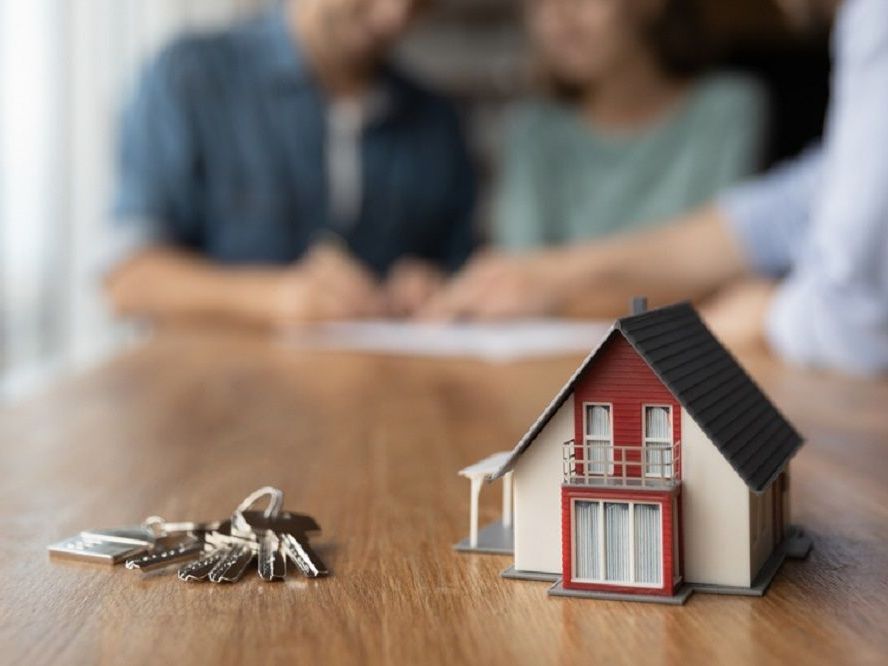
223	153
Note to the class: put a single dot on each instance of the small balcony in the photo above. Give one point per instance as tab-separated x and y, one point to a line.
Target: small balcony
651	465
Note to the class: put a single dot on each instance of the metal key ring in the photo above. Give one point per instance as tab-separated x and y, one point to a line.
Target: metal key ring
275	501
156	525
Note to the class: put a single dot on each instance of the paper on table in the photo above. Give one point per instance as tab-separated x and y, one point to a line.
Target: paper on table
490	342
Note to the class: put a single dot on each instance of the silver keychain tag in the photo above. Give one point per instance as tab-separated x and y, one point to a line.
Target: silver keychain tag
92	550
109	545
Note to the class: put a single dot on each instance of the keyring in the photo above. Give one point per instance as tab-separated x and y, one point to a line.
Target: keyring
275	502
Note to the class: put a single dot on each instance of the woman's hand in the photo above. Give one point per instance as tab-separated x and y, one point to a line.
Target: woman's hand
495	285
737	313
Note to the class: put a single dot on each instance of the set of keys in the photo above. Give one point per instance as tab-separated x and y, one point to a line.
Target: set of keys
219	552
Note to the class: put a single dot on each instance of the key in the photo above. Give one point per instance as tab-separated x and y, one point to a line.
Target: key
272	563
184	550
297	524
232	565
291	529
200	569
302	556
222	540
185	528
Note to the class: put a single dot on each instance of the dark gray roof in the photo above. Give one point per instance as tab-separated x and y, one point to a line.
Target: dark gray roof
706	379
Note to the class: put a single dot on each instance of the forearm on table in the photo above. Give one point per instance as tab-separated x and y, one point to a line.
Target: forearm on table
169	284
688	259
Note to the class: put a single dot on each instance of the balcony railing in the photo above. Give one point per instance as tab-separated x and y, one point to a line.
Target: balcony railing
654	465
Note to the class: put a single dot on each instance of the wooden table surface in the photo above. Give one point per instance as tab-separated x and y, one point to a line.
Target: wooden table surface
188	424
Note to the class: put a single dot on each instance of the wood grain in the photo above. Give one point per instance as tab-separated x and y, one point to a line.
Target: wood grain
188	424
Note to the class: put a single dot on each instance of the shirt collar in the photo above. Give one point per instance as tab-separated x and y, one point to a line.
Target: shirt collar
286	65
282	58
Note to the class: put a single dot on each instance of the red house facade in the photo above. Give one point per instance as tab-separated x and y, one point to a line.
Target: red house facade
622	480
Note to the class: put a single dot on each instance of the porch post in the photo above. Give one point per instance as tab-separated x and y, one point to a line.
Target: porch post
507	500
477	474
473	511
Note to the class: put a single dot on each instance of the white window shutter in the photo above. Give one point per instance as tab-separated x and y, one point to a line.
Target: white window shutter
616	524
648	559
586	530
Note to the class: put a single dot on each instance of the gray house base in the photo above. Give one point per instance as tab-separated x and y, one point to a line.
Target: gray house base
677	600
513	574
796	545
493	539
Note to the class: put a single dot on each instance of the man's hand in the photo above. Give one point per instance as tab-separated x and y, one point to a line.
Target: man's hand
166	284
328	284
498	286
738	312
411	284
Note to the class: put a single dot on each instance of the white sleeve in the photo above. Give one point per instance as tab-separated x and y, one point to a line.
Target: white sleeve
770	216
832	310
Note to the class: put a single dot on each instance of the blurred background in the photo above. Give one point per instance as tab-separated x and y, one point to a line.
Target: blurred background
67	65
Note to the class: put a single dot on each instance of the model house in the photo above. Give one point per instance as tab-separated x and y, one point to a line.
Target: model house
658	469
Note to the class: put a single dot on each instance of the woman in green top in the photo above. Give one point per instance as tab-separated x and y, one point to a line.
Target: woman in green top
628	135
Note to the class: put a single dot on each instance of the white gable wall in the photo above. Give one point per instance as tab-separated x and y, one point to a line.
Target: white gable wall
715	510
537	478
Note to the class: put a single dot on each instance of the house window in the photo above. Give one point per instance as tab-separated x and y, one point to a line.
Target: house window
599	440
616	539
617	542
658	441
648	560
587	531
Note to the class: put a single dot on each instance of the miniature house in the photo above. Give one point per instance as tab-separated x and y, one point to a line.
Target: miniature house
658	469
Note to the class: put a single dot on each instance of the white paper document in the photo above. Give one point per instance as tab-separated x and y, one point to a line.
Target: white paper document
498	342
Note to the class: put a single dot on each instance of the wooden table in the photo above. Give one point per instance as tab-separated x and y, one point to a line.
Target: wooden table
189	424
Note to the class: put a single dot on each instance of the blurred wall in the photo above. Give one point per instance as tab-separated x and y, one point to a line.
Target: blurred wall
64	68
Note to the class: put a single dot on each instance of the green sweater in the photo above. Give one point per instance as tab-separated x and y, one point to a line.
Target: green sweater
564	180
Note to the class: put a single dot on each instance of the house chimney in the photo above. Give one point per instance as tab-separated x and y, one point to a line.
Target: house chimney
639	305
